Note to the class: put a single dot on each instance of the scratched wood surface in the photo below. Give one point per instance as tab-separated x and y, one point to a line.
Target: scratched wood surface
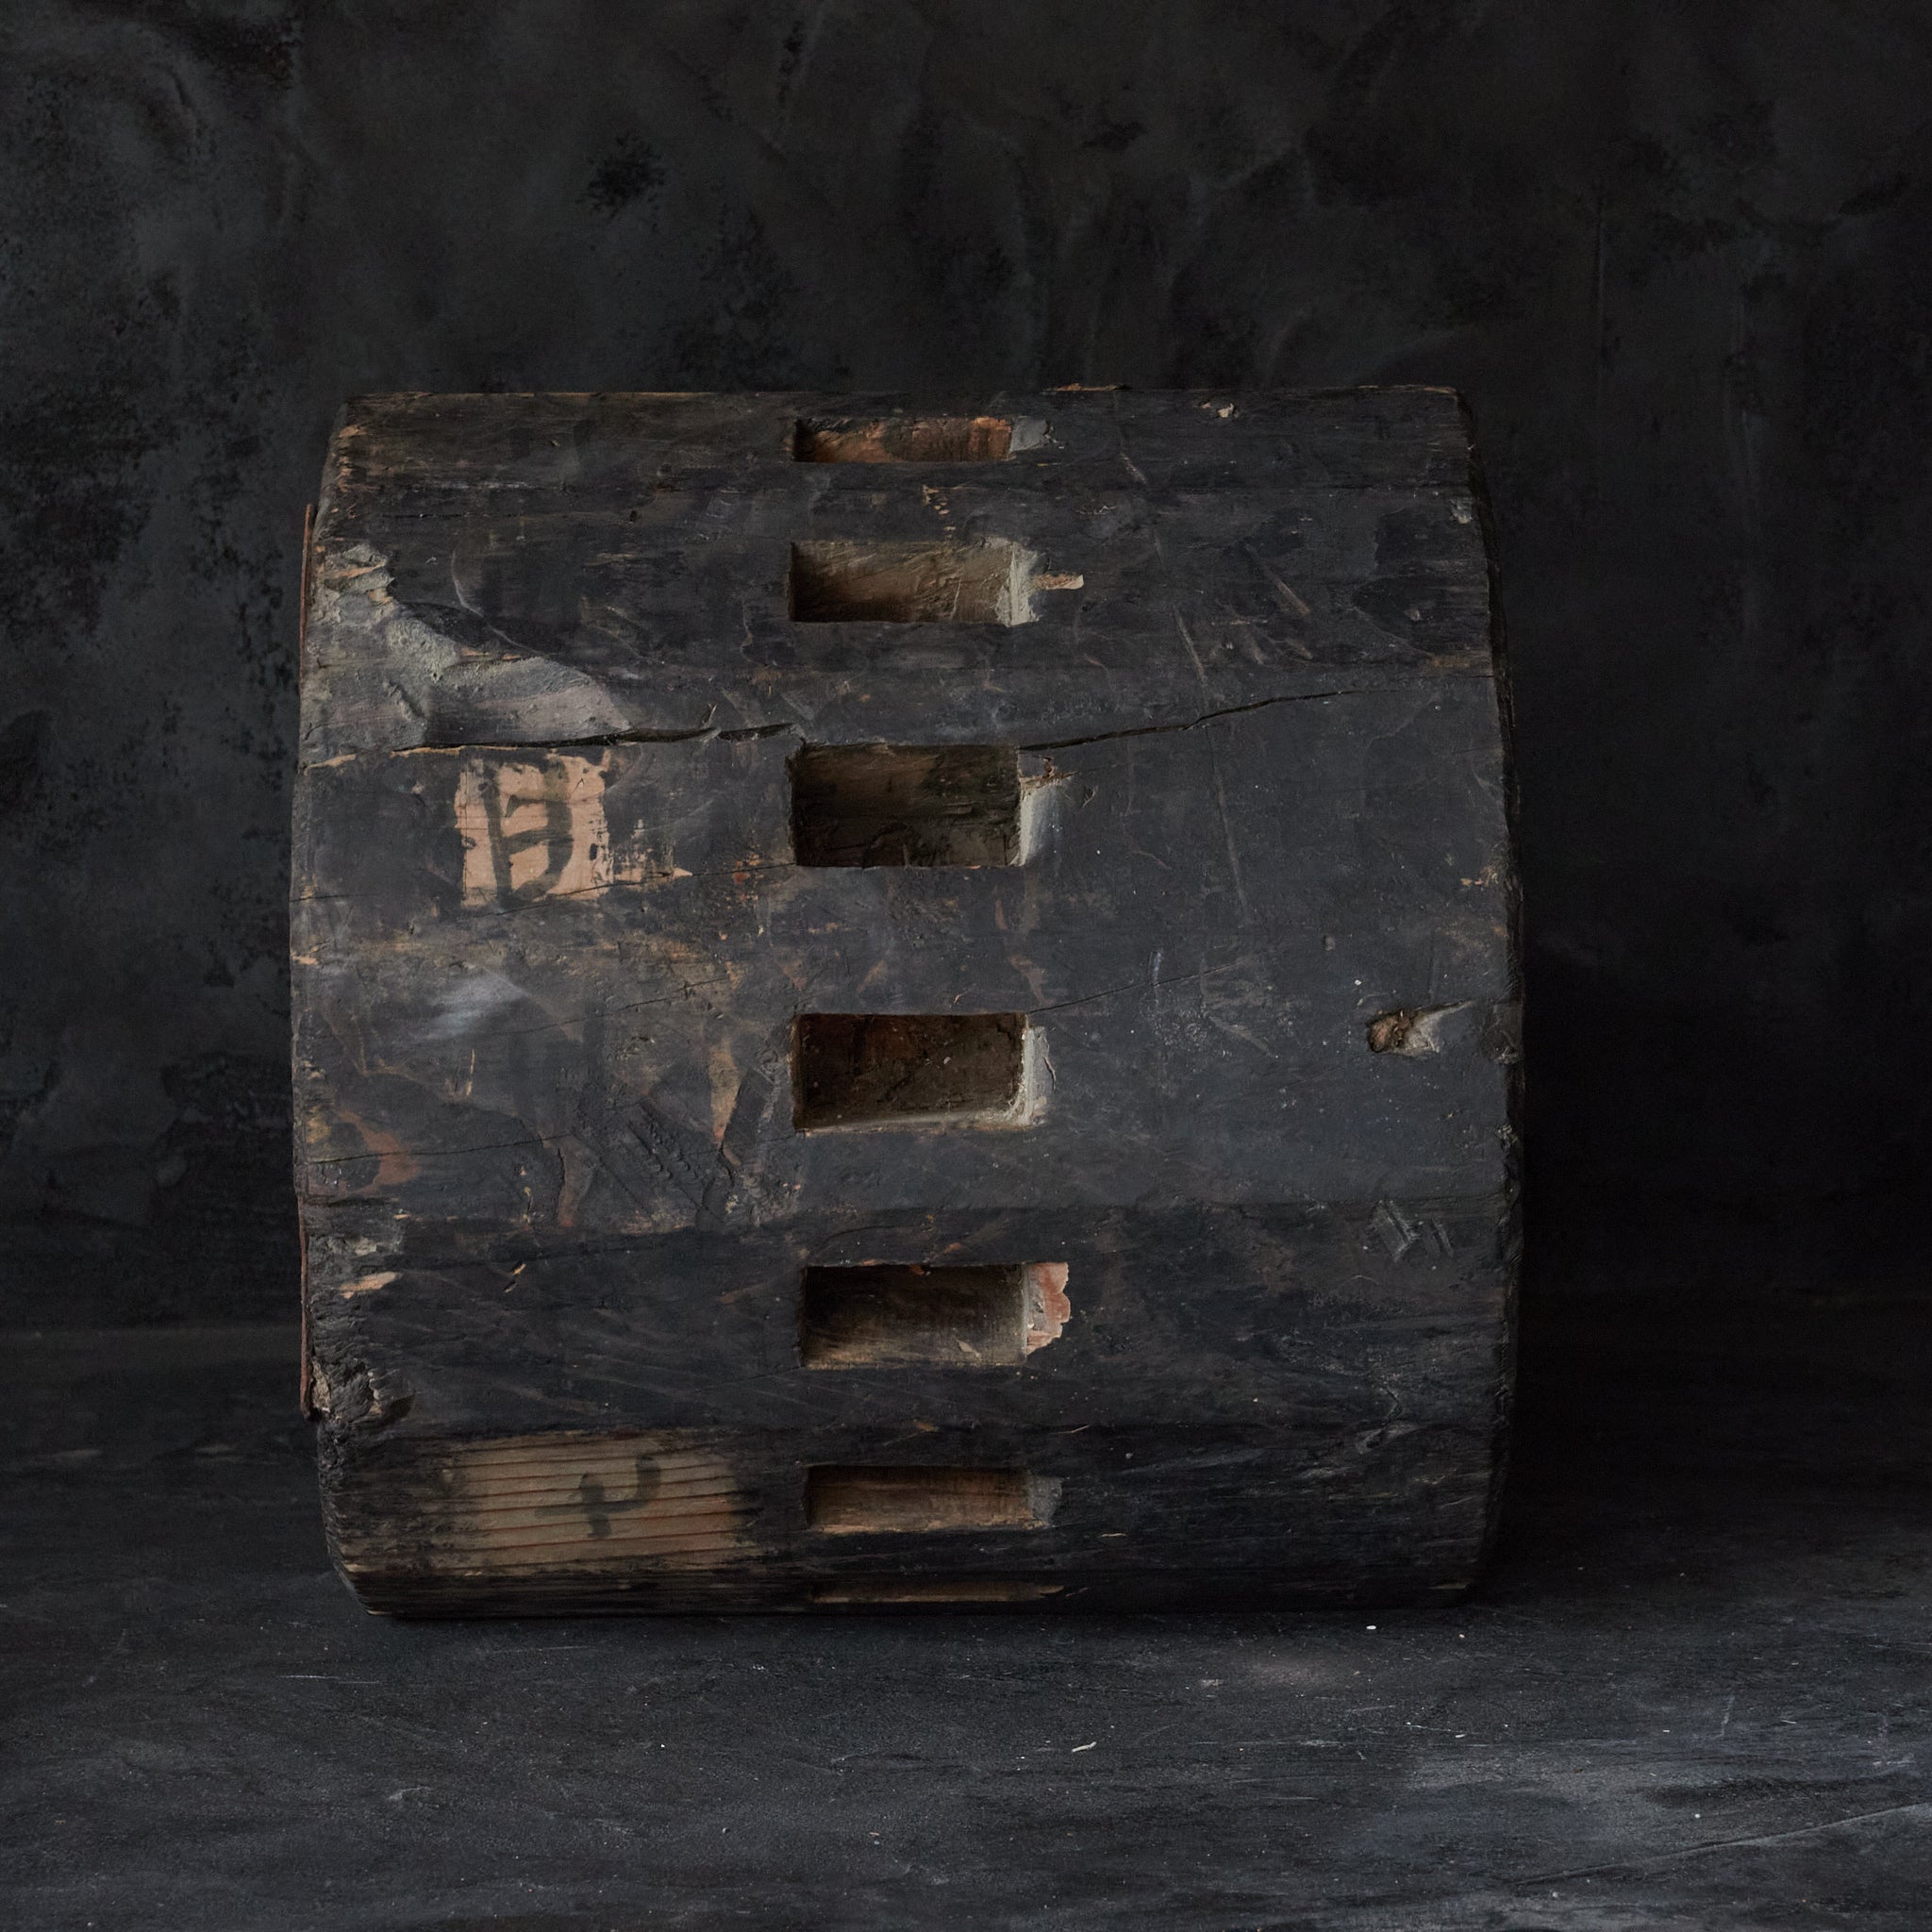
744	835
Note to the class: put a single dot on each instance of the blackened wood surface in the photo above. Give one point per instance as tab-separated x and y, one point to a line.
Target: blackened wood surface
552	945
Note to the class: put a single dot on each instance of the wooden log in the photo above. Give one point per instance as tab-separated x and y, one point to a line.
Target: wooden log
904	1002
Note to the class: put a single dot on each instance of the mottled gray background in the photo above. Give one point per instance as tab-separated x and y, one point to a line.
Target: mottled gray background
1675	253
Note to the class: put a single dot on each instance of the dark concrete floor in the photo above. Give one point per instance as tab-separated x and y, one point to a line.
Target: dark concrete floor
1693	1694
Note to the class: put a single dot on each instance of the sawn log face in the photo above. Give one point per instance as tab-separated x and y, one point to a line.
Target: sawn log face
1119	907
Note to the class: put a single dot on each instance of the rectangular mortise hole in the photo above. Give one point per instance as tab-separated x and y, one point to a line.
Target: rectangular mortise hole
843	582
914	438
852	1069
906	805
853	1501
887	1315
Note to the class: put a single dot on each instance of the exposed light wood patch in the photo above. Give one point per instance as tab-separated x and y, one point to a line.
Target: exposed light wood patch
914	438
913	1501
522	1505
1048	1310
531	831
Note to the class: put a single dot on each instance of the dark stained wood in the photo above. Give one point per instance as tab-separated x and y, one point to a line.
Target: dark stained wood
1128	925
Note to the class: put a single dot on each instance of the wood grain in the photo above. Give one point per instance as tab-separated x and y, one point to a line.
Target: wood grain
1101	882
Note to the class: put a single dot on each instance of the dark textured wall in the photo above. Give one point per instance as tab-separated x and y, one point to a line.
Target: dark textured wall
1674	254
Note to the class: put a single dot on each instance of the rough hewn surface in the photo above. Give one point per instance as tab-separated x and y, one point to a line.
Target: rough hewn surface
591	1064
1693	1696
1670	254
